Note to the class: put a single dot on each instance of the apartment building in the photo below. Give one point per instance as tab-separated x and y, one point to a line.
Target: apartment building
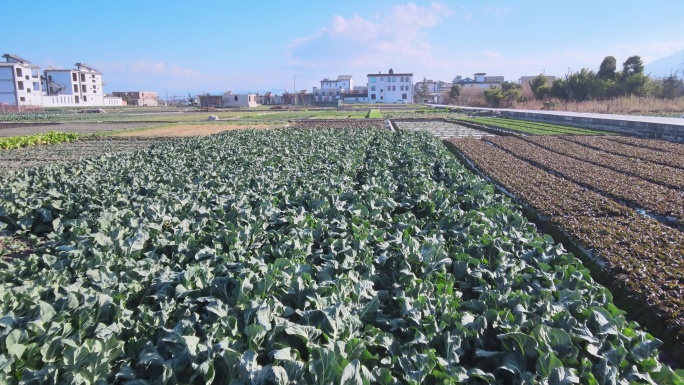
20	85
331	90
390	87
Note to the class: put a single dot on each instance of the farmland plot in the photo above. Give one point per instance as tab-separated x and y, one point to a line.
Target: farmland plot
657	199
640	257
15	159
440	129
297	256
7	130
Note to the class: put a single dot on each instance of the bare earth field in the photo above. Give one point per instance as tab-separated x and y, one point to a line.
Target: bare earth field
191	130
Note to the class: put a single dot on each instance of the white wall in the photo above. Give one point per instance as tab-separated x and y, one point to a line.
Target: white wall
234	100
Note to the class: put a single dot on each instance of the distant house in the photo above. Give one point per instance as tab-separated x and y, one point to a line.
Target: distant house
139	98
269	98
390	87
480	80
436	90
210	100
239	100
354	96
20	85
331	90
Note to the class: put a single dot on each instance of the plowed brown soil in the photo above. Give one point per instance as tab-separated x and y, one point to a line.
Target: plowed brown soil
193	130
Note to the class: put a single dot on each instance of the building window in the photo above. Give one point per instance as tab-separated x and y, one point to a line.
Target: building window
19	73
372	80
381	98
82	77
401	88
20	85
394	88
236	98
401	79
382	90
372	96
372	88
22	99
75	87
403	96
394	79
36	86
76	99
84	98
84	88
73	77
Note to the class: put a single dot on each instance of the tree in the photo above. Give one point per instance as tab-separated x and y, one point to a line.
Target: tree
632	66
671	86
493	96
455	93
539	87
608	68
422	91
581	86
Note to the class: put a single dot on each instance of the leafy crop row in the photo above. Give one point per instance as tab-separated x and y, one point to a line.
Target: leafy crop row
671	159
653	172
535	128
641	255
653	144
297	256
657	199
36	139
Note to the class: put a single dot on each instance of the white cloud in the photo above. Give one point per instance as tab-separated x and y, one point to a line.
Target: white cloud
157	68
397	35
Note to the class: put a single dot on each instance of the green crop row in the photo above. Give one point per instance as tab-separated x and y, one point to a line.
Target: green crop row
36	139
297	256
374	114
535	128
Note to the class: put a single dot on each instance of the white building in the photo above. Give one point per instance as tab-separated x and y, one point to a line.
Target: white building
436	90
19	83
81	86
480	81
22	86
239	100
331	90
390	87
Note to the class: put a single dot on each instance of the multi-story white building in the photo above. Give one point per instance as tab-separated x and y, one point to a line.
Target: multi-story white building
81	86
331	90
19	83
21	86
390	87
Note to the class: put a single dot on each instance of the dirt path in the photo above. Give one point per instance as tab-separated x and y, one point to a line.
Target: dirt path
193	130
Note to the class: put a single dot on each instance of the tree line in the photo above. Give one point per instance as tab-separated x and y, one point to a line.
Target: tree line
586	84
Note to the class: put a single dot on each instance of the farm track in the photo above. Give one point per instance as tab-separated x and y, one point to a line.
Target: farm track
659	200
652	172
617	148
83	128
641	255
45	155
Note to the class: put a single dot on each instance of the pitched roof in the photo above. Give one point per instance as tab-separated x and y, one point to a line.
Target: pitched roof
15	58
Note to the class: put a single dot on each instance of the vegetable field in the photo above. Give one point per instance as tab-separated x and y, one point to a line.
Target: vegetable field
440	129
637	252
533	128
297	256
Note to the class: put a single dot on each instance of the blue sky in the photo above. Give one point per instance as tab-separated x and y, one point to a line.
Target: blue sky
180	47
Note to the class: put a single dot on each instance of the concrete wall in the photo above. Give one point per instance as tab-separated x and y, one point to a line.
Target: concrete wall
671	129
